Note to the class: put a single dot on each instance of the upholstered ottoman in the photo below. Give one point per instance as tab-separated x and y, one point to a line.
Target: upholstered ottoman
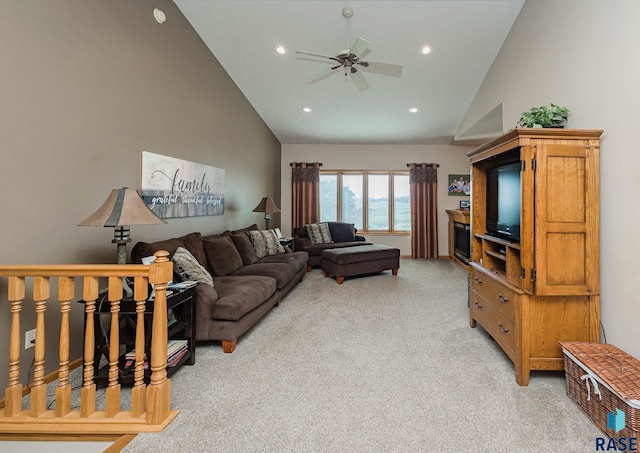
361	260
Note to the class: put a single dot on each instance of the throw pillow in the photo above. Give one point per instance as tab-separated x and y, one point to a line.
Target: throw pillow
342	232
253	227
222	256
245	248
192	242
188	268
265	242
319	233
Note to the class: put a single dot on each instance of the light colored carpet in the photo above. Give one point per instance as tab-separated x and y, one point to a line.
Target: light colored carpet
378	364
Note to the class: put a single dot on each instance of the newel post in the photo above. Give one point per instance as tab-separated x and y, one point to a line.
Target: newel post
159	389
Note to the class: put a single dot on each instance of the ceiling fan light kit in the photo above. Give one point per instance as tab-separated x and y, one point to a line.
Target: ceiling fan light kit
349	61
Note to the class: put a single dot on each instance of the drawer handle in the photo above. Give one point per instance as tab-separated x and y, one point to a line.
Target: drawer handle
502	299
477	280
478	305
502	329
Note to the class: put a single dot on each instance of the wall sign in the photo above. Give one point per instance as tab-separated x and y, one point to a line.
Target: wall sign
179	188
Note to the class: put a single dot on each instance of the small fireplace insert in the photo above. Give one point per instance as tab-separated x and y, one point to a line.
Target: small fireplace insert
462	241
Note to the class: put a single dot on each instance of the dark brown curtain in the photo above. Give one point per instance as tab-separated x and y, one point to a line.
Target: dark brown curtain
423	182
305	193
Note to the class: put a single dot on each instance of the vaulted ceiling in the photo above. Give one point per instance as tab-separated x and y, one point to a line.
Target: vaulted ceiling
465	37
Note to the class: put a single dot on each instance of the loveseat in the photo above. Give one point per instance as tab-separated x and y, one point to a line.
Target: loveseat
245	286
341	235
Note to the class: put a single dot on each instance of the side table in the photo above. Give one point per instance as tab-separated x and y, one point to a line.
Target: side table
181	326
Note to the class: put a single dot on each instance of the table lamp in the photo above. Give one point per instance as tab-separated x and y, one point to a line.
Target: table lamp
266	205
123	208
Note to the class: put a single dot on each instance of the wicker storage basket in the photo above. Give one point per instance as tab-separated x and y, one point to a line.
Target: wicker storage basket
600	379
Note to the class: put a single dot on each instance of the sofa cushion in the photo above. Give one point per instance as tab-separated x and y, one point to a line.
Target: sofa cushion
265	242
342	232
188	268
237	296
319	233
216	236
301	232
192	242
222	255
245	248
253	227
296	259
318	248
283	273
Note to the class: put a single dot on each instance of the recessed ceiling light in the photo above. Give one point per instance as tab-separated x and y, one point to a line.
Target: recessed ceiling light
306	109
281	49
425	50
413	110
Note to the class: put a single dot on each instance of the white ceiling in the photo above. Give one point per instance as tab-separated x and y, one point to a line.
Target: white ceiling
465	37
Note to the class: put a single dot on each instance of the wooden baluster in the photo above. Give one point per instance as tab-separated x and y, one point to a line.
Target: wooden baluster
140	294
88	391
113	388
13	392
159	389
41	293
66	291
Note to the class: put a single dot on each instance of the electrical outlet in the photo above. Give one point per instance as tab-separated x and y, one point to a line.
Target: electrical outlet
30	338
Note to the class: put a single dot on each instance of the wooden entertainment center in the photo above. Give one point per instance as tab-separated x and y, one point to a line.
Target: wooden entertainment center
532	294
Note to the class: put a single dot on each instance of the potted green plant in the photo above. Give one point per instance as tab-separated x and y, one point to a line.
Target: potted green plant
554	116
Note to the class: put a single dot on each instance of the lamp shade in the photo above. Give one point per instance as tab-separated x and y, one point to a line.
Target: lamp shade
123	207
266	205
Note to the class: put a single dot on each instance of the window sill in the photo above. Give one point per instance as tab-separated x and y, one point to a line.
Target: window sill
383	233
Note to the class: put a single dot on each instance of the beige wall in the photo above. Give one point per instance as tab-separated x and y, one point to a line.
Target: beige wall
452	159
86	85
583	54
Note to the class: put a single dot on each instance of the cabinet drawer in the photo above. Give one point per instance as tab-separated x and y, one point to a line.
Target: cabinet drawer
499	326
503	298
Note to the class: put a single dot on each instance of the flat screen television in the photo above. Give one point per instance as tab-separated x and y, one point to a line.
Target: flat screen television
503	202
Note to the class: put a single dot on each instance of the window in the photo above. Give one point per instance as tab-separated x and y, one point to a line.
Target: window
377	199
401	203
328	197
378	203
351	202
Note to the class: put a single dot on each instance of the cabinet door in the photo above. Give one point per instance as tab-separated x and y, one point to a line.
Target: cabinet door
566	219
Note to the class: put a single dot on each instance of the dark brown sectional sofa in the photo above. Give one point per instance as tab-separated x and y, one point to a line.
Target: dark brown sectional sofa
343	235
245	287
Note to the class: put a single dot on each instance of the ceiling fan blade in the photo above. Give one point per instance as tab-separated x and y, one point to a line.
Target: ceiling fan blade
316	60
359	81
314	54
359	47
393	70
323	74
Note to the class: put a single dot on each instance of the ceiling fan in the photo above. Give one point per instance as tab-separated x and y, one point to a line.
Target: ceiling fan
350	61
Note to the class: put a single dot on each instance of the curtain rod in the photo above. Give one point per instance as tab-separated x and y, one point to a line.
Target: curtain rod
436	165
308	163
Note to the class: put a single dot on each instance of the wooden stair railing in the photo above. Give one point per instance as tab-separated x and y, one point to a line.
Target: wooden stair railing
150	404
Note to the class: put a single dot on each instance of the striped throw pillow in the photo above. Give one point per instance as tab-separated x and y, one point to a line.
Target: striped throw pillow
265	242
319	233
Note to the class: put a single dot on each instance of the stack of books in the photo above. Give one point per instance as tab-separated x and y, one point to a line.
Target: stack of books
176	349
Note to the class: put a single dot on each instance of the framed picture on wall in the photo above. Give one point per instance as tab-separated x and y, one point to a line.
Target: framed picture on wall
465	205
459	185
